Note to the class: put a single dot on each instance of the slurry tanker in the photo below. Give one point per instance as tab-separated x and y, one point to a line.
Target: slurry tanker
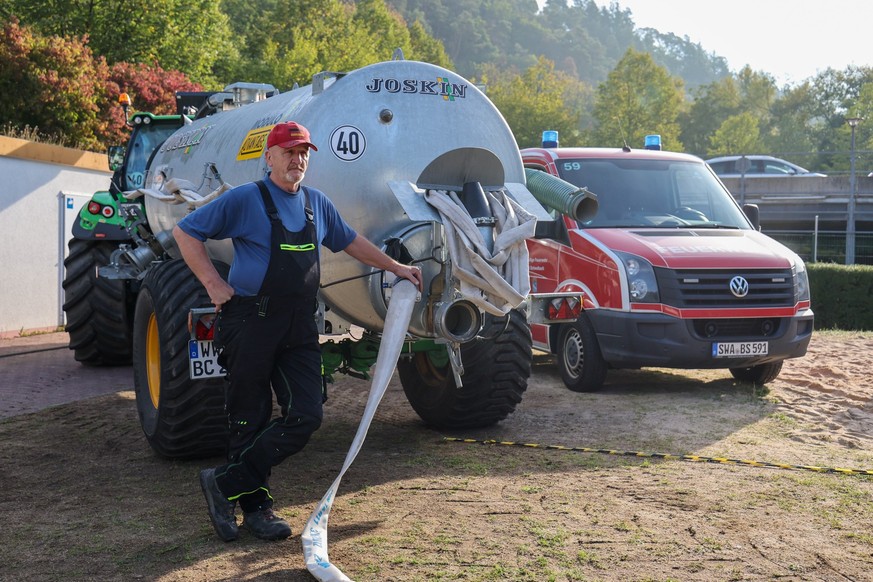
394	138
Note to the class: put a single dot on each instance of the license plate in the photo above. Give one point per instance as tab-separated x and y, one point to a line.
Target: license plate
203	360
739	349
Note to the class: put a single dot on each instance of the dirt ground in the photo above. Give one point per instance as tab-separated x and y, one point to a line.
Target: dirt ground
84	497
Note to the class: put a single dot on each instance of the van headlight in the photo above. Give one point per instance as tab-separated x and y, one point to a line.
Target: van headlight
801	282
642	286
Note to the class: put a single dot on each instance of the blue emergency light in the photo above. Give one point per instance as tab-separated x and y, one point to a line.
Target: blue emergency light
550	138
653	142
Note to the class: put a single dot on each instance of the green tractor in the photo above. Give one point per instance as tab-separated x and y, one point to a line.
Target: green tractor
100	310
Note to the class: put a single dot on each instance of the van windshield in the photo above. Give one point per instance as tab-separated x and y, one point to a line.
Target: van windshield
653	194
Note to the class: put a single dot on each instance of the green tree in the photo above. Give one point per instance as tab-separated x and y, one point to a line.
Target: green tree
710	106
713	104
794	126
757	92
538	99
683	58
426	48
189	35
386	28
389	31
833	94
638	98
288	41
839	160
585	39
738	133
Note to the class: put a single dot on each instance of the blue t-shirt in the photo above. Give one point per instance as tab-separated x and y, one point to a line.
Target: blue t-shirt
239	214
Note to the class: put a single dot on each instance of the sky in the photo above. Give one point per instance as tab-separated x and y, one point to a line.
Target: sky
791	40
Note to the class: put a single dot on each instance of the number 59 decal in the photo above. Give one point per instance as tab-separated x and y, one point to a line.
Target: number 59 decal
348	143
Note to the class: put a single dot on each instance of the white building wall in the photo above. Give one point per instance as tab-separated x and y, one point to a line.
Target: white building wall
34	200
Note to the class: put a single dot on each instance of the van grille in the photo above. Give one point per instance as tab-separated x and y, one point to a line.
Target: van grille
690	288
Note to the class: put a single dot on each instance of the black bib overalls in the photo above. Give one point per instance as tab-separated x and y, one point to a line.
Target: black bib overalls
272	340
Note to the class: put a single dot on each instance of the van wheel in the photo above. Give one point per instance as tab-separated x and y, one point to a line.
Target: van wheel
496	369
99	311
760	374
582	366
181	418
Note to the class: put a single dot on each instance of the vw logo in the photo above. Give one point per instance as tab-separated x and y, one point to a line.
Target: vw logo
739	287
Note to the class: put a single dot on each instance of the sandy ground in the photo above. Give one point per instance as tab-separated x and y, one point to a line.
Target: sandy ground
86	499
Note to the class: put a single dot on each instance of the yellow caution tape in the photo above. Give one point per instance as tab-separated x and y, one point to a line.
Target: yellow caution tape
668	456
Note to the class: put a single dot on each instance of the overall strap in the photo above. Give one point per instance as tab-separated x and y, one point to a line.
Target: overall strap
310	215
268	201
271	207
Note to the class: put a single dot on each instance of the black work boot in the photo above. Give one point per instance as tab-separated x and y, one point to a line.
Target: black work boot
266	525
220	509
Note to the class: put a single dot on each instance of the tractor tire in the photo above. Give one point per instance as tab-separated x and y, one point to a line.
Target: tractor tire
760	374
181	418
495	377
99	311
582	366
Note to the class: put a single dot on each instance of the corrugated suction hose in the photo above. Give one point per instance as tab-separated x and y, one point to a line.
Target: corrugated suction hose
574	201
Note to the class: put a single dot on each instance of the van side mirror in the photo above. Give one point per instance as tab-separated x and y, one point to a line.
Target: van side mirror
753	213
116	157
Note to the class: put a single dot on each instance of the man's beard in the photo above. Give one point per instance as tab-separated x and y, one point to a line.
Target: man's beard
294	176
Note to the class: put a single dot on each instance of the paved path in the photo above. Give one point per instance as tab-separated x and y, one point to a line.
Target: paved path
39	371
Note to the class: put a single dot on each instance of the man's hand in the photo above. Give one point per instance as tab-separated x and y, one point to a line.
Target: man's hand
408	272
368	253
219	293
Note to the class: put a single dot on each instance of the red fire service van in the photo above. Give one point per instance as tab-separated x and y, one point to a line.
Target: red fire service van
671	271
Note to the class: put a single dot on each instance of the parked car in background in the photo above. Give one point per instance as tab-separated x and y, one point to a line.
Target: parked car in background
757	166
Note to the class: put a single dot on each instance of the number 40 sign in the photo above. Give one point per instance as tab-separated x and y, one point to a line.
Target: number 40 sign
348	143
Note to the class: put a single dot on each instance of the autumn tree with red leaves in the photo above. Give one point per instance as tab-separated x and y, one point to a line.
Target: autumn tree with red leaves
150	88
56	86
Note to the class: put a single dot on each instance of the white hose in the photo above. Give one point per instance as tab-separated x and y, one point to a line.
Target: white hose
495	281
176	191
314	535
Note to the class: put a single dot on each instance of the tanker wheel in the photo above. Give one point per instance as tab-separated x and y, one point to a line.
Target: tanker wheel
495	377
760	374
99	311
582	366
181	418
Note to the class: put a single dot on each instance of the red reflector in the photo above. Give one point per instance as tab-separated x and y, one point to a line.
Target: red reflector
564	309
108	211
204	330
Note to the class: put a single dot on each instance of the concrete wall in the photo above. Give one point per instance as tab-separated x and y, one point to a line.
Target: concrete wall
41	188
792	203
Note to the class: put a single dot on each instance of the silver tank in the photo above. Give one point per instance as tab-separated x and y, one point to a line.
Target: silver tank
393	127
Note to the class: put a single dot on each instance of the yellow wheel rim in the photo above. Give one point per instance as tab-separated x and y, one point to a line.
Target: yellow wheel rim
153	360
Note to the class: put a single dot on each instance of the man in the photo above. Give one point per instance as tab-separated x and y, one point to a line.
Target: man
266	323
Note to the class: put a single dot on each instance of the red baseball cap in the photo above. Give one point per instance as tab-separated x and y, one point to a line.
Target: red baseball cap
289	134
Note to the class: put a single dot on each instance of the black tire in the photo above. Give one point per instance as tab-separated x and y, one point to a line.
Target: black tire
582	366
181	418
99	311
760	374
495	378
